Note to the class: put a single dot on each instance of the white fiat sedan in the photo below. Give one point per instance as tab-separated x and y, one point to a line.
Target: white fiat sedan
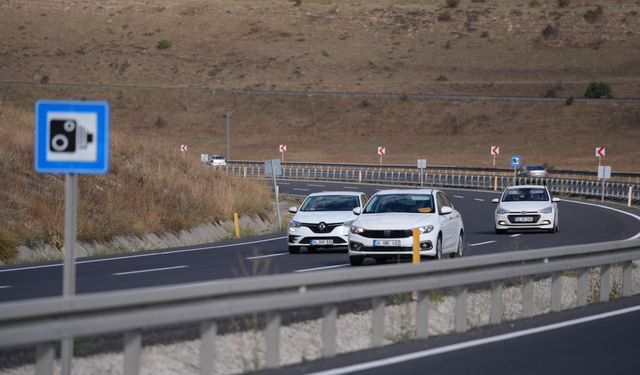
323	220
384	228
526	207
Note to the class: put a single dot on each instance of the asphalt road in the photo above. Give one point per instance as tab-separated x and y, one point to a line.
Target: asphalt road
580	222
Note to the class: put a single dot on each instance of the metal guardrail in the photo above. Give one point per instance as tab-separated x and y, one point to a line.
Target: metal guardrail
43	322
458	178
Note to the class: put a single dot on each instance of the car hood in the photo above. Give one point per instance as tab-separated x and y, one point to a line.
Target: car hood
391	221
524	206
314	217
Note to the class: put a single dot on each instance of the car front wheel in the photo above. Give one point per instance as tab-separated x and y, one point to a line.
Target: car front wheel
294	249
356	261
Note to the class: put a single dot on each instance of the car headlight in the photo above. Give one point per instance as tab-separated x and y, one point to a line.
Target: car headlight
426	229
294	224
546	210
356	230
501	211
348	223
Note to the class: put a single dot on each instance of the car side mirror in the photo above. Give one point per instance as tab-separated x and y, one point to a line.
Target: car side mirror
293	210
446	210
555	199
357	210
495	200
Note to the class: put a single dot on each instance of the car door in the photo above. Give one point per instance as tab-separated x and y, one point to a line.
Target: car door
448	223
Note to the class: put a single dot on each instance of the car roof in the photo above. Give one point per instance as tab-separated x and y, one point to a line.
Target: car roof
347	193
527	186
406	191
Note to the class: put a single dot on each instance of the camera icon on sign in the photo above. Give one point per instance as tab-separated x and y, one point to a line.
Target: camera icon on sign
68	136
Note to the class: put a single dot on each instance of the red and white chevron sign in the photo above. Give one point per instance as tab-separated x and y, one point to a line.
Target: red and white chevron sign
495	150
600	152
282	148
183	148
381	150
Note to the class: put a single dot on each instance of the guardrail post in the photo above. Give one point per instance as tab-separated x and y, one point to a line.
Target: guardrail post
359	176
556	292
583	284
272	336
422	314
44	358
208	332
630	195
461	309
132	350
627	282
329	314
605	282
527	296
377	322
496	302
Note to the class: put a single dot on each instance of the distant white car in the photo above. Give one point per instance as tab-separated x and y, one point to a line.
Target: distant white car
384	227
526	207
323	220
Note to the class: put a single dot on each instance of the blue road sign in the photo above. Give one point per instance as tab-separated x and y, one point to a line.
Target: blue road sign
516	160
71	136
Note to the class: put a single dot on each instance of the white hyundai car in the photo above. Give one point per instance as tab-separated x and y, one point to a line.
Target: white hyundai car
526	207
323	220
384	227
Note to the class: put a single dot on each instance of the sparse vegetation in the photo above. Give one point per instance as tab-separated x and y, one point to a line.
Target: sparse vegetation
549	32
563	3
444	17
598	90
163	44
593	15
569	101
296	2
452	3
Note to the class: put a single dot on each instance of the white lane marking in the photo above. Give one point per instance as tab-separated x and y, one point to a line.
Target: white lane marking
322	268
612	209
472	343
299	189
316	185
5	286
458	196
481	243
149	270
478	199
351	187
149	255
266	256
516	235
284	183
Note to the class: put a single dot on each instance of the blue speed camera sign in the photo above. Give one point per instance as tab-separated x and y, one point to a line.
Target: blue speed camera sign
71	136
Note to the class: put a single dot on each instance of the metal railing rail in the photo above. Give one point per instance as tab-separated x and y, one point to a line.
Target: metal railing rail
43	322
438	178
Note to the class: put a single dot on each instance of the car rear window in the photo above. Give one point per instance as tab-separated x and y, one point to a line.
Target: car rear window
330	203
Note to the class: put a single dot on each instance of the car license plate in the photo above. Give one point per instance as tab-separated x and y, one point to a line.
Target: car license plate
322	242
386	243
523	219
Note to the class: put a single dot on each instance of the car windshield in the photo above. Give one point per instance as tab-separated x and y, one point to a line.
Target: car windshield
330	203
411	203
525	194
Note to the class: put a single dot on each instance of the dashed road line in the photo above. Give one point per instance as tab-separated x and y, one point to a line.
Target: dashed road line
481	243
5	286
516	235
322	268
458	196
299	189
284	183
351	187
316	185
478	199
149	270
266	256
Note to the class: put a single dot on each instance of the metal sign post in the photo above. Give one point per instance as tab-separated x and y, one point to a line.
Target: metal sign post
227	114
604	173
273	168
422	164
516	161
70	137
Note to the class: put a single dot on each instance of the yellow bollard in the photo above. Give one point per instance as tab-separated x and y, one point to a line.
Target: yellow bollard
416	246
236	224
495	183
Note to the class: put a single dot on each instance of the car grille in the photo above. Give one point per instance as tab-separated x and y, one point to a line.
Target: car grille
512	219
314	227
387	233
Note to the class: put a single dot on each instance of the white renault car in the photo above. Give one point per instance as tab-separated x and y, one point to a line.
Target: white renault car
384	227
323	220
526	207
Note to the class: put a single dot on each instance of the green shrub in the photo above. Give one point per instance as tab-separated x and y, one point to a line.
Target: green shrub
163	44
598	90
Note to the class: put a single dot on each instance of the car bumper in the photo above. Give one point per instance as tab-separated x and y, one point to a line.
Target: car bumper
509	221
372	247
304	236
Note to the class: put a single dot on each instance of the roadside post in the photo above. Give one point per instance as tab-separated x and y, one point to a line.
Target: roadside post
600	153
422	165
71	137
495	150
416	246
228	114
381	152
282	149
236	224
516	161
604	173
273	168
